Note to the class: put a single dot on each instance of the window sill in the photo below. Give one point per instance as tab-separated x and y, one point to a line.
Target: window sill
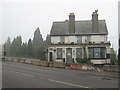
59	58
98	58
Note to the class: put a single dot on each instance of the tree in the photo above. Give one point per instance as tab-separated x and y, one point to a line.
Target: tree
13	47
48	39
35	48
41	53
37	41
24	50
8	46
18	45
30	48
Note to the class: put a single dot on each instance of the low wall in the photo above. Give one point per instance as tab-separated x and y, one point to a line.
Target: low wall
44	63
50	64
15	60
76	66
9	59
81	66
58	64
40	63
35	62
28	61
112	68
21	60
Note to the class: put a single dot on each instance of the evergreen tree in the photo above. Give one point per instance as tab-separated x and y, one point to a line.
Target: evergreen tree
30	48
48	39
41	53
13	47
18	45
24	50
8	47
37	42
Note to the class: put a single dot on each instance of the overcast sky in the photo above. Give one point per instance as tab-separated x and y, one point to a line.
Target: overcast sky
22	17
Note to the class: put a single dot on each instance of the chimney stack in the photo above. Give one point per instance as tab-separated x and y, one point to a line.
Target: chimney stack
95	22
71	23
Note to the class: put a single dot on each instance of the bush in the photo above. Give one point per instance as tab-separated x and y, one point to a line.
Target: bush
82	60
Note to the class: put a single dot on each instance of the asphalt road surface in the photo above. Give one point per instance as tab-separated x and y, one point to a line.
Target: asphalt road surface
20	75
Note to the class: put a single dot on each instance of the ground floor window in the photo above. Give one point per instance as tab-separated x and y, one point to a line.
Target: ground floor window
78	52
59	53
97	52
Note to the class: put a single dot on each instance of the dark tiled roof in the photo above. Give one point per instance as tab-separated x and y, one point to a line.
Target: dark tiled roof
81	27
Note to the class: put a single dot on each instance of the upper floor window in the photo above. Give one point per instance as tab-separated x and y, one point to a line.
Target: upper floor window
62	39
88	38
79	39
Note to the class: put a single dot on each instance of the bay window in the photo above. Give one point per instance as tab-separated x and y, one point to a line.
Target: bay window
97	53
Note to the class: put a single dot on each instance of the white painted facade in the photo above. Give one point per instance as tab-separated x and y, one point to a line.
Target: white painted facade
53	49
99	61
73	40
85	39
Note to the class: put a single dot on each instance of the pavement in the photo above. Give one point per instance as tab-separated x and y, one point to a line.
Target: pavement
20	75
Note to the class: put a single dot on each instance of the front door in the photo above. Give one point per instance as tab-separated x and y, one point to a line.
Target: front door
51	56
69	55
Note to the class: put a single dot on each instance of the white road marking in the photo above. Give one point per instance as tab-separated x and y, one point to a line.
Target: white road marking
16	72
98	69
67	83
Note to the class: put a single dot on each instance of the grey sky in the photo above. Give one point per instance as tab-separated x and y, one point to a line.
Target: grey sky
22	17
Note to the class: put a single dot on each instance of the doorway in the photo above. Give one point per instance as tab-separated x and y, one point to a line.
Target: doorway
69	55
51	56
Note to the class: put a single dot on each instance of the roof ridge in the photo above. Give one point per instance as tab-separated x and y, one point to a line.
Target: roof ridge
59	21
76	21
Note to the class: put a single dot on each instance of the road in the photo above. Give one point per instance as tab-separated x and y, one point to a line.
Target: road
20	75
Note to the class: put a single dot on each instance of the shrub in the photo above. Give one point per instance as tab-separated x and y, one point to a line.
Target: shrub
82	60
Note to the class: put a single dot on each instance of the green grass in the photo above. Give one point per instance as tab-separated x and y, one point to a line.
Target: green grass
4	61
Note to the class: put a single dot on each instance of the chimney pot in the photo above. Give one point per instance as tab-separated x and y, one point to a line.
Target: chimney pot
71	23
95	22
